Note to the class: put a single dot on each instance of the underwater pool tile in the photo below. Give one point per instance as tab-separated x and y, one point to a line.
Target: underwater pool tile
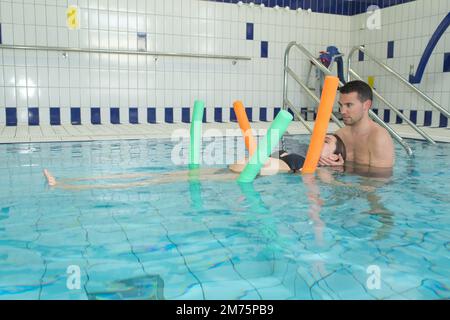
231	289
193	292
121	232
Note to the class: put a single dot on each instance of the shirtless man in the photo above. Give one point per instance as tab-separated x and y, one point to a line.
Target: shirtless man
367	143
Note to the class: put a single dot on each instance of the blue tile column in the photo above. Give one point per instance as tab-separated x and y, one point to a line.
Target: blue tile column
447	62
133	116
249	33
390	50
114	115
11	116
264	49
75	116
151	115
55	116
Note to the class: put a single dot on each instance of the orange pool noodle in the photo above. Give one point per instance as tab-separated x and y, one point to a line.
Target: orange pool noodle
321	125
242	119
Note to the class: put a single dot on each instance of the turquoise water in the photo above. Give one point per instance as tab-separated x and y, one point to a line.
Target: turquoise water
275	239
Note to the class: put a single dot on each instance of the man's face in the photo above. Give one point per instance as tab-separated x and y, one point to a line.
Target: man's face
351	108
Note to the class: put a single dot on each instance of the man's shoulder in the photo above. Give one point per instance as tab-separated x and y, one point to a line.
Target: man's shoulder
378	132
342	132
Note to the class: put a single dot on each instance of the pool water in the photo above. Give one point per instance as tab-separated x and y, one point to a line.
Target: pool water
278	238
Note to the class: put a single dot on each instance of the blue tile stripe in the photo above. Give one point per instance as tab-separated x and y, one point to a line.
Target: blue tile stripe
263	114
264	49
427	118
95	116
446	62
75	116
232	115
413	116
218	114
33	116
443	121
249	113
151	115
114	114
186	115
249	33
11	116
399	120
360	55
390	50
171	115
168	115
387	116
55	116
133	115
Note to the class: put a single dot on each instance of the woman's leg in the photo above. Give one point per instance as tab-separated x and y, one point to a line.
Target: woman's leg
169	177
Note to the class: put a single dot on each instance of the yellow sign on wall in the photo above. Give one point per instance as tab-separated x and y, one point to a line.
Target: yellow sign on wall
371	81
73	21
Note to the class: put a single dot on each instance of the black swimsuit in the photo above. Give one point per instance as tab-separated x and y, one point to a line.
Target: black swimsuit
293	160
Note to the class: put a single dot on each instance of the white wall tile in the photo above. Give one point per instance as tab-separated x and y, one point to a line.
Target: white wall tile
206	27
44	116
65	116
22	115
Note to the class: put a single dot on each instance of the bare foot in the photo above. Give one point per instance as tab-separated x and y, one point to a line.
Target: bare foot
50	179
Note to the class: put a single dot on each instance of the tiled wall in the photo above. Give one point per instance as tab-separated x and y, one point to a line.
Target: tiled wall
158	89
46	87
400	42
343	7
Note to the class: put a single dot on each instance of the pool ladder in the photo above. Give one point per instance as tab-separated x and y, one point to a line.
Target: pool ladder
350	72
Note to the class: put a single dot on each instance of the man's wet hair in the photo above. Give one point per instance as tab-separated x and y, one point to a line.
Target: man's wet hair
363	89
340	147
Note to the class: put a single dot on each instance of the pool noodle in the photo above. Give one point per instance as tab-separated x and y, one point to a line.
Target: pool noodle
196	134
266	146
244	124
321	125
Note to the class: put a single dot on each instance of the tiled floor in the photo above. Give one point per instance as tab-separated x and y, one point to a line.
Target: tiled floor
89	132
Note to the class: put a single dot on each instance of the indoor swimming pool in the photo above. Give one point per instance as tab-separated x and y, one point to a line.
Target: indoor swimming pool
346	236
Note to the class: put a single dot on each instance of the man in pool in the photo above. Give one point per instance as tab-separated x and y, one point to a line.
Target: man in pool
333	148
367	143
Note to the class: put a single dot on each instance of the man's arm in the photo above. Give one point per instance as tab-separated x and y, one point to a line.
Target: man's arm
381	149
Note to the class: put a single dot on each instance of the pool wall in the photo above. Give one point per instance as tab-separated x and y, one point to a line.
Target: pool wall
46	87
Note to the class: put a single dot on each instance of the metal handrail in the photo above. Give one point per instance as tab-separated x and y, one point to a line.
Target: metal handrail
325	70
127	52
398	112
433	103
289	71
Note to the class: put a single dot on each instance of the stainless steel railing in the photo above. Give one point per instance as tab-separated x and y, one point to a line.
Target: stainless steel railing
325	70
289	71
127	52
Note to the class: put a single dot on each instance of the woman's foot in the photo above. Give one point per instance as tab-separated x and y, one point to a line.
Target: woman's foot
50	179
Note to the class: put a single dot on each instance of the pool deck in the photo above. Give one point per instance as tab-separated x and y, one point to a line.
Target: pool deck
89	132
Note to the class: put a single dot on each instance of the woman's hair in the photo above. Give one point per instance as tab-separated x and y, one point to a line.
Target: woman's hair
340	147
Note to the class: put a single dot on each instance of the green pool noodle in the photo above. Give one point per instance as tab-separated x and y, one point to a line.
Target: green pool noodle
196	134
266	146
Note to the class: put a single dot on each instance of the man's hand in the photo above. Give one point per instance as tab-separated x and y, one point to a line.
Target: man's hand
327	162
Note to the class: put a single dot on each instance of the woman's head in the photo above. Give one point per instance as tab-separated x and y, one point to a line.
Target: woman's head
332	147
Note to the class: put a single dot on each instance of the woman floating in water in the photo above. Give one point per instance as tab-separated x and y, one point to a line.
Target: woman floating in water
283	162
